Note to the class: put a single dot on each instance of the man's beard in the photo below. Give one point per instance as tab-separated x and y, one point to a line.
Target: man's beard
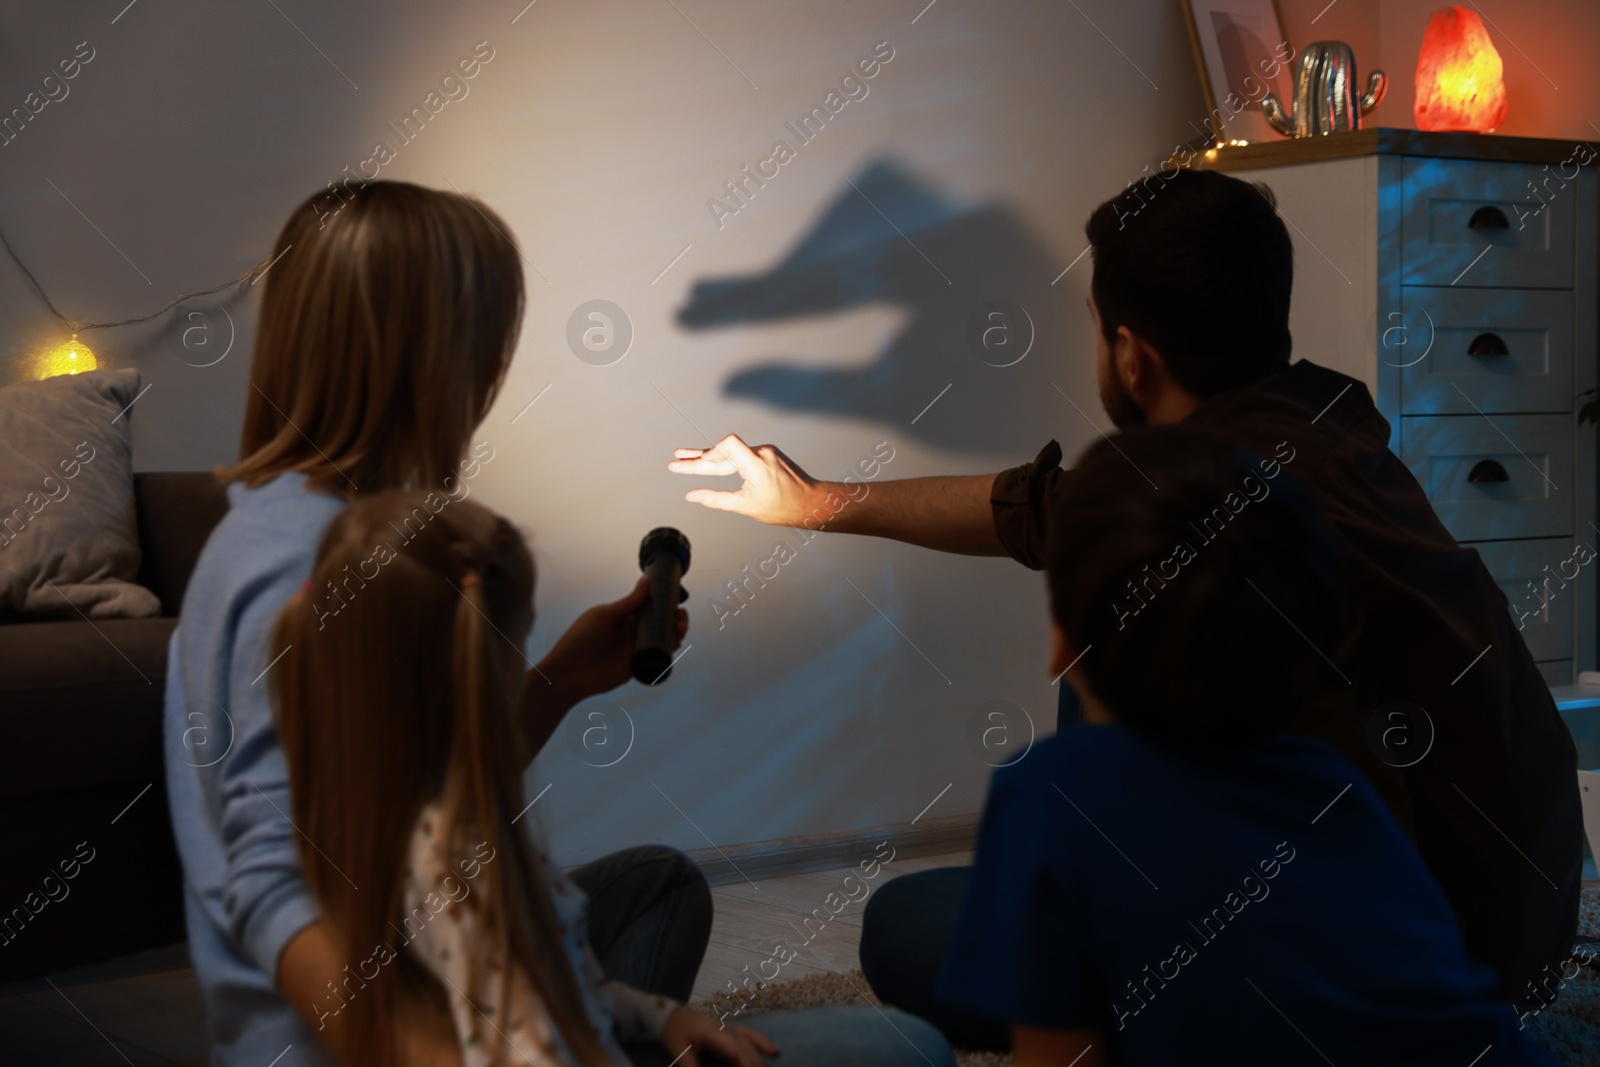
1119	403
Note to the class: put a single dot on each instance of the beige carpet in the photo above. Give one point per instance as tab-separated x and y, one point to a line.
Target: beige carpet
818	989
1569	1028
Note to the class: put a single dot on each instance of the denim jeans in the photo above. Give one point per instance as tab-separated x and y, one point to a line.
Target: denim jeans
649	922
649	917
905	933
839	1035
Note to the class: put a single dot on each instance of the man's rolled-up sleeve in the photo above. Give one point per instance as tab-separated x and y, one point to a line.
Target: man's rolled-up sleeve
1020	500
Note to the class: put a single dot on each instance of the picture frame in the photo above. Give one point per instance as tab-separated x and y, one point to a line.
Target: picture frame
1242	52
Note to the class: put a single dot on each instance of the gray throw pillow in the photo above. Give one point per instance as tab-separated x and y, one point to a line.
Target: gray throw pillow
69	539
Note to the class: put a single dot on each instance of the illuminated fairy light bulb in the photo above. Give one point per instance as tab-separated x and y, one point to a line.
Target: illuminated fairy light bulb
69	357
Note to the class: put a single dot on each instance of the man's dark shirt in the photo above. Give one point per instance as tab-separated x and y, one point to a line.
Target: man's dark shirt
1493	806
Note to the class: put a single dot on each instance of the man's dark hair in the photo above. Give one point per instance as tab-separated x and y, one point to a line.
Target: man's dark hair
1209	609
1200	265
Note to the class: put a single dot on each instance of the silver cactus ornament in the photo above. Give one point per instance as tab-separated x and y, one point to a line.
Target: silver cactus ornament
1324	93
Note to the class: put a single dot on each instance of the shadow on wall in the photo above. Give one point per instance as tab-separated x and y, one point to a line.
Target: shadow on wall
981	367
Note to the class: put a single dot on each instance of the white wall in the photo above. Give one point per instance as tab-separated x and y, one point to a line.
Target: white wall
599	130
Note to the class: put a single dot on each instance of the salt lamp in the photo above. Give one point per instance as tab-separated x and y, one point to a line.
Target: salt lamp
69	357
1459	85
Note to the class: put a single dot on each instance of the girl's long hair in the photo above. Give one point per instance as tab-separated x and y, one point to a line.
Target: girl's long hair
400	686
389	316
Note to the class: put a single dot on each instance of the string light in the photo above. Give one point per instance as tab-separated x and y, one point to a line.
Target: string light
75	357
69	357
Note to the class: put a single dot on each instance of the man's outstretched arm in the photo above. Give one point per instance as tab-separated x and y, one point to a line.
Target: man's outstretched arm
950	514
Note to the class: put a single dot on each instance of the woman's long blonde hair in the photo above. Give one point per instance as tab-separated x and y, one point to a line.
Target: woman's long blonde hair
400	687
389	316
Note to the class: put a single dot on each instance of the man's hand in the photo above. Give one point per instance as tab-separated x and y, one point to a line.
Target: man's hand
1034	1047
775	490
688	1033
950	514
592	656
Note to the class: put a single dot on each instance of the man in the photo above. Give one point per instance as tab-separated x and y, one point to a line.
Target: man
1190	301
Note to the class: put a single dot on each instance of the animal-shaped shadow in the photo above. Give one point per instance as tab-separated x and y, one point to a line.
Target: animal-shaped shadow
985	320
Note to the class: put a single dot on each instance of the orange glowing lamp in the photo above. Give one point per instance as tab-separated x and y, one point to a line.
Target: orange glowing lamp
1459	83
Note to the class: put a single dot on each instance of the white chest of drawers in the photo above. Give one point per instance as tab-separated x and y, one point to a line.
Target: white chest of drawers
1455	274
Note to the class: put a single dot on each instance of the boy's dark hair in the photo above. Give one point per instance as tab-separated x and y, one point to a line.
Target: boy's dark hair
1200	265
1223	640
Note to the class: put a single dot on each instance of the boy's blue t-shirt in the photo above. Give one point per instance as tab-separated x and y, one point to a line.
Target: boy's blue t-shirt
1258	905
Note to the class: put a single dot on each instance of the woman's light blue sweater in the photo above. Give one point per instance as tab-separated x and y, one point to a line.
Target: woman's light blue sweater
227	780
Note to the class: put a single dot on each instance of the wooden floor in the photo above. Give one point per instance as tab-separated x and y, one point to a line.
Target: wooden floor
147	1011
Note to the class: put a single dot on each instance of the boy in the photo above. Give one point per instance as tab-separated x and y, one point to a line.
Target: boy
1178	878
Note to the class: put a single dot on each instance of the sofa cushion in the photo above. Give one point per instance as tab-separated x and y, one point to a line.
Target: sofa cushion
68	538
80	703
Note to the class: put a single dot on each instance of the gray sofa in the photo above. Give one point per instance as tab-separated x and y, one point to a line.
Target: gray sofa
90	870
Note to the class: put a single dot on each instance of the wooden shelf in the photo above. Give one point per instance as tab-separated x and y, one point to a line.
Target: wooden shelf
1383	141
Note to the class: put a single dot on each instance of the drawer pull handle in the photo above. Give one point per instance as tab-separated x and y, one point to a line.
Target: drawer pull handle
1488	344
1489	217
1488	470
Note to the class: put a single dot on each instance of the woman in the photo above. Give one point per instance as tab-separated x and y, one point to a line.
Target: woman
385	332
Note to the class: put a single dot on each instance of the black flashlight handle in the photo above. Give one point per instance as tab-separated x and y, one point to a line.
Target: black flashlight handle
664	558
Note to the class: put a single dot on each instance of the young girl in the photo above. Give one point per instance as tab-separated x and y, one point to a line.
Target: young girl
397	715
